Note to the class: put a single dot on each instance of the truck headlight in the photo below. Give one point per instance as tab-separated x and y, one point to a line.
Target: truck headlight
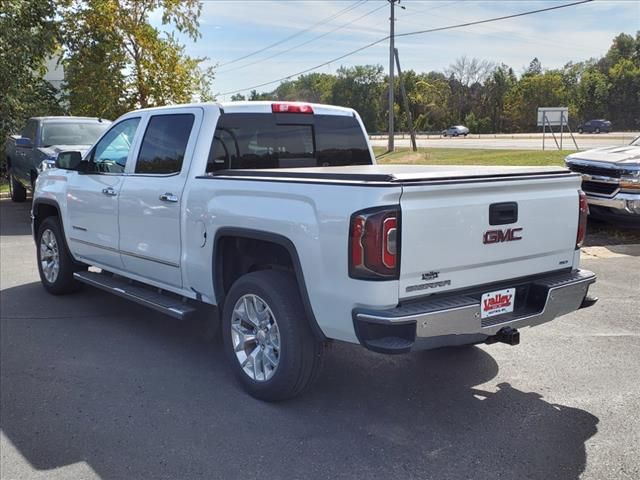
47	164
630	180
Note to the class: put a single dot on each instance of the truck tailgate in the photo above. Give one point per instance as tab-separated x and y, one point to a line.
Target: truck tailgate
449	243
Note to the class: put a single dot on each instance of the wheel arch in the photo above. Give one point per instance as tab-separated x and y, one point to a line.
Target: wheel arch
276	241
43	208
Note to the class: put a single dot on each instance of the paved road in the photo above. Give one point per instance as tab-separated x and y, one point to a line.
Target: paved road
95	387
516	141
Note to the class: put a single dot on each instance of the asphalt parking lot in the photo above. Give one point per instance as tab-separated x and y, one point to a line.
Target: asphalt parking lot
92	386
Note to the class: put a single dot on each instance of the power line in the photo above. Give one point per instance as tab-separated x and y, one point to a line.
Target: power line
298	33
496	19
309	69
277	54
438	29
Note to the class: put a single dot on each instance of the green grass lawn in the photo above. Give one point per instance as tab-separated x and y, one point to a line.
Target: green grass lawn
4	186
464	156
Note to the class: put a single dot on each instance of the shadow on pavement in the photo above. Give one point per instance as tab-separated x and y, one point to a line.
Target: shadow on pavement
15	218
601	233
92	378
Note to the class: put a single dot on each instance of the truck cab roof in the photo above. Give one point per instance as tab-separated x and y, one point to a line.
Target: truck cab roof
258	107
66	118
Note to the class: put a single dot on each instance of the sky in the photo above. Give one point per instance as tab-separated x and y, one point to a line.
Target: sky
232	29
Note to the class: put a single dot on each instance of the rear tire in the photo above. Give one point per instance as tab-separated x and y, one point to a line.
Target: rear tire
17	191
597	130
55	264
264	324
580	131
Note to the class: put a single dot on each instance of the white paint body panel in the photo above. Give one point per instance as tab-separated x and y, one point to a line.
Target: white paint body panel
93	217
442	224
443	228
150	228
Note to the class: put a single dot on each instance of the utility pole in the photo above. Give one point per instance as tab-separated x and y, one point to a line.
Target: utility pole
392	3
405	100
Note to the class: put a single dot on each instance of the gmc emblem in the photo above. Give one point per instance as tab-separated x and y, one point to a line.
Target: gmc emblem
499	236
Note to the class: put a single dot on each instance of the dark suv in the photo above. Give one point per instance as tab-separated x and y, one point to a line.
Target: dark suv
595	126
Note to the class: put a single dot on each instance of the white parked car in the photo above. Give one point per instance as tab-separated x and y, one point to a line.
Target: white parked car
277	215
455	131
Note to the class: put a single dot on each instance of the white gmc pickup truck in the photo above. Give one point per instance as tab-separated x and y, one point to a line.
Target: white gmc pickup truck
277	215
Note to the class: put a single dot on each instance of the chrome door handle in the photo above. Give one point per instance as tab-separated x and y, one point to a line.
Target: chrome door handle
109	191
169	197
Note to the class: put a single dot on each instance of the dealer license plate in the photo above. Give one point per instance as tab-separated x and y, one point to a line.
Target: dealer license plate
497	303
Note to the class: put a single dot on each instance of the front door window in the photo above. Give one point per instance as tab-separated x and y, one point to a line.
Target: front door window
111	152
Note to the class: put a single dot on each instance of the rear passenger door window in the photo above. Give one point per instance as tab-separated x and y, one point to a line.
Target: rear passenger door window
164	144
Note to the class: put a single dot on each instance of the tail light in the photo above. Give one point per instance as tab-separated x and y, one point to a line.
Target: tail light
583	209
374	244
291	107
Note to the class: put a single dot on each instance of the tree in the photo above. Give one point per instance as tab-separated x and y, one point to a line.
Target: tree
313	87
502	80
624	46
361	87
531	92
112	52
29	37
469	71
592	95
428	100
534	68
624	95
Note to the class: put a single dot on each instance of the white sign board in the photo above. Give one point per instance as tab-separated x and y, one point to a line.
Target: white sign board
555	116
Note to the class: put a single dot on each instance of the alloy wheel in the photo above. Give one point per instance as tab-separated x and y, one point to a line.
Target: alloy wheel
255	337
49	256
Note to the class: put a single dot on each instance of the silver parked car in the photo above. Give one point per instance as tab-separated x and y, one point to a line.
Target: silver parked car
455	131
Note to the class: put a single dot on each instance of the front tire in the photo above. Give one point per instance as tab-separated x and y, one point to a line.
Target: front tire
580	131
17	191
597	130
55	264
267	338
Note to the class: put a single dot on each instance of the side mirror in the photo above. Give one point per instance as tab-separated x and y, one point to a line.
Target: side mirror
69	160
23	142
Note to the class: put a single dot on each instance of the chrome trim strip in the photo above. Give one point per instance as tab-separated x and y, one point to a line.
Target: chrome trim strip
151	259
76	227
103	247
129	254
617	202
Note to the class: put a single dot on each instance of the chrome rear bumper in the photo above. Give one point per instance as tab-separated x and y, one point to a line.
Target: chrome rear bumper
443	320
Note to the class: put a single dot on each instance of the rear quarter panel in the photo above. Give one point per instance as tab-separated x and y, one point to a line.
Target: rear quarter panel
314	216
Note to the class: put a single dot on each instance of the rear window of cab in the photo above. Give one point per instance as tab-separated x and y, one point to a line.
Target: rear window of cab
286	140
